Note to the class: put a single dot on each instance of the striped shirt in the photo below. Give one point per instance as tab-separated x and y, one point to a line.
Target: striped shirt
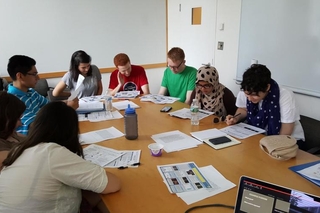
33	101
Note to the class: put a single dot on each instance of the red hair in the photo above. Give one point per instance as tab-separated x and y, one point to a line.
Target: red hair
121	59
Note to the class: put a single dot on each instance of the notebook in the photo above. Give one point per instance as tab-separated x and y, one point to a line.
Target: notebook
257	196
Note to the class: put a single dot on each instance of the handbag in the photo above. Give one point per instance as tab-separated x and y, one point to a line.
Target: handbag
280	147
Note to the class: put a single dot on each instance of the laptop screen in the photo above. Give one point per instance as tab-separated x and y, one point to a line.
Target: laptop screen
256	196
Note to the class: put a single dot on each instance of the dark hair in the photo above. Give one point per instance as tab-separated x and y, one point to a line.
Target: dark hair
121	59
55	123
11	109
256	79
1	84
78	57
19	63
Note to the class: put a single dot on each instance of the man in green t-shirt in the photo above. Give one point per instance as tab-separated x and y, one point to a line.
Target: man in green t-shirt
178	79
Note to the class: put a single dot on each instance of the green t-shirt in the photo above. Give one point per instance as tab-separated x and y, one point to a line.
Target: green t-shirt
178	84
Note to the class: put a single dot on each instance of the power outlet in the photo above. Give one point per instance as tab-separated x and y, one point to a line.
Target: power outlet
220	45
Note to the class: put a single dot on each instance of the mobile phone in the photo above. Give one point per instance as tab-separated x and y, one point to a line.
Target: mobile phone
166	109
219	140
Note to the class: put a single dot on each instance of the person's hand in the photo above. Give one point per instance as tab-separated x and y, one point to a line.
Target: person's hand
120	79
74	103
230	120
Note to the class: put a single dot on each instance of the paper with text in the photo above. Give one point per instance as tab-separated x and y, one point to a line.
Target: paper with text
175	141
100	155
186	114
242	130
99	135
122	105
128	157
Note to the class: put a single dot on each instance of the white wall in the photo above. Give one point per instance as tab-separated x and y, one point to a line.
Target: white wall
229	12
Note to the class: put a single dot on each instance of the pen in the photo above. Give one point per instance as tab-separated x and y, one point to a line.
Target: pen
236	115
124	167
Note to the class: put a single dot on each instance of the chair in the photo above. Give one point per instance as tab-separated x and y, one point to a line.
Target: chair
229	100
3	84
55	98
42	87
311	128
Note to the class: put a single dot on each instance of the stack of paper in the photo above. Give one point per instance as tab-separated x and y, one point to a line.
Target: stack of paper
111	158
127	94
90	106
191	183
175	141
100	155
205	135
159	99
310	171
122	105
186	114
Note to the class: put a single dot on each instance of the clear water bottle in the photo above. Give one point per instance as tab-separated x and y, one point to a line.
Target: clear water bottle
130	123
194	109
108	103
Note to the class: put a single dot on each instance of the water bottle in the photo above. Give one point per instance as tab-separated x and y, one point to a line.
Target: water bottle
108	103
130	123
194	109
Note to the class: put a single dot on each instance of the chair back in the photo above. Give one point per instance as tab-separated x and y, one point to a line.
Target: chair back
42	87
311	128
55	98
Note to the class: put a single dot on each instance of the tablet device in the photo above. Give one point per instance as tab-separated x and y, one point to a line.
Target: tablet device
220	140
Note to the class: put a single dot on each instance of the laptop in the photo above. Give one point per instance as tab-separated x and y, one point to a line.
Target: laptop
257	196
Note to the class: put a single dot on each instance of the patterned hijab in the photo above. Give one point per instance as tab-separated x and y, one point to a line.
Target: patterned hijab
269	113
214	100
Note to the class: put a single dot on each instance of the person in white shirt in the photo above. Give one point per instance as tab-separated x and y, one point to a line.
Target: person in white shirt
266	105
47	171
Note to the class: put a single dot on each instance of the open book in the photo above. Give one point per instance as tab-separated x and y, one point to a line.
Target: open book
90	106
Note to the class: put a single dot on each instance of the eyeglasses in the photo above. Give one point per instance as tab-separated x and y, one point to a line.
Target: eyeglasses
33	74
206	86
220	119
177	67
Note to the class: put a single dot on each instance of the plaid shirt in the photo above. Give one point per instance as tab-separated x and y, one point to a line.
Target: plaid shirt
33	101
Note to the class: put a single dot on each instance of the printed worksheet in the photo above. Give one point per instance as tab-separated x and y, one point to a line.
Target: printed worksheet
183	177
128	158
100	155
159	99
186	114
242	130
175	141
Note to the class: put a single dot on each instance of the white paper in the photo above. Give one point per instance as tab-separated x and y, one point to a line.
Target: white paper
128	157
205	135
186	114
99	135
216	179
183	177
159	99
103	116
175	141
242	130
126	94
121	105
312	172
75	92
100	155
90	106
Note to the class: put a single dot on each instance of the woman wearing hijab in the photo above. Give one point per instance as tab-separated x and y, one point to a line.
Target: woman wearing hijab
211	94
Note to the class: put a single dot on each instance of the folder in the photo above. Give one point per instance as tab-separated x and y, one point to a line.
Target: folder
297	169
